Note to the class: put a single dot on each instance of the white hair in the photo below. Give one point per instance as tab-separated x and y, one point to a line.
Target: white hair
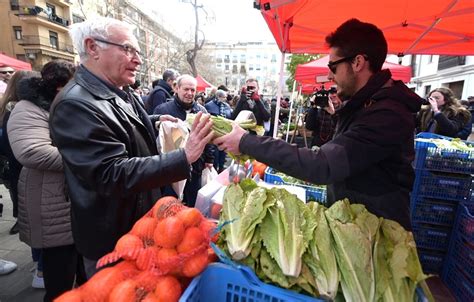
98	27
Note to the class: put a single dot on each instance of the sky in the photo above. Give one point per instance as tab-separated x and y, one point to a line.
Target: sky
227	20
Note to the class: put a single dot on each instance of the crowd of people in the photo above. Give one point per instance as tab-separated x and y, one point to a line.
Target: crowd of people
83	164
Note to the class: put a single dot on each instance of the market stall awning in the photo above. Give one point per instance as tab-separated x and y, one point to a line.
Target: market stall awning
307	73
444	27
13	63
202	84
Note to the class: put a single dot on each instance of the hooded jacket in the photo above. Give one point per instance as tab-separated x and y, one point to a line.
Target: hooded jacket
44	211
369	159
112	167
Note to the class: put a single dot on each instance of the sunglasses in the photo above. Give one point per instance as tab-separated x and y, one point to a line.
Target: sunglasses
5	72
333	65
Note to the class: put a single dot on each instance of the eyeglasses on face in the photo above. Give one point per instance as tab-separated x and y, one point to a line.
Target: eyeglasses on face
5	72
127	48
333	65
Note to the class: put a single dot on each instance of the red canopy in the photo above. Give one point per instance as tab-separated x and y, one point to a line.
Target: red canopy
202	84
13	63
442	27
307	73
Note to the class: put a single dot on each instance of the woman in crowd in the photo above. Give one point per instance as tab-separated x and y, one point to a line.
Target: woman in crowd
444	115
44	210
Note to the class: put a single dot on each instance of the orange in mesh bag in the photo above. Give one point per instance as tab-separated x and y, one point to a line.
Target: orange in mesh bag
166	238
162	252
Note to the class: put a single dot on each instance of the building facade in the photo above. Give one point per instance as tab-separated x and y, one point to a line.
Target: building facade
434	71
237	62
36	31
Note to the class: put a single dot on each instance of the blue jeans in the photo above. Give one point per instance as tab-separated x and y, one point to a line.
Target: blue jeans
36	254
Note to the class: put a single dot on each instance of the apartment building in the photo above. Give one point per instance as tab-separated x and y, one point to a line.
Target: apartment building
433	71
36	31
238	61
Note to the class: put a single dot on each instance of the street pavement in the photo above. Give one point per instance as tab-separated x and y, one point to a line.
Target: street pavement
16	286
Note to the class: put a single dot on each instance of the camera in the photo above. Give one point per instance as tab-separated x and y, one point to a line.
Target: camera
321	97
425	101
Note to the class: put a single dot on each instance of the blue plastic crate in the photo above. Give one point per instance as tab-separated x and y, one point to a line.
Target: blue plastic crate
463	255
458	282
433	211
431	157
224	283
431	261
431	237
440	185
465	222
312	193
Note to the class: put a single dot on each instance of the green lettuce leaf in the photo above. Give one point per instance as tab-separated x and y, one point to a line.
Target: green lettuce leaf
244	207
320	256
353	229
287	228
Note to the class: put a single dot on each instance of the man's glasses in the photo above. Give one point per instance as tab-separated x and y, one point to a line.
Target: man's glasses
5	72
333	65
127	48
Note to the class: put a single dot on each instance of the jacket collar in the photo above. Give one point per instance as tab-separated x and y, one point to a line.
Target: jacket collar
94	84
365	93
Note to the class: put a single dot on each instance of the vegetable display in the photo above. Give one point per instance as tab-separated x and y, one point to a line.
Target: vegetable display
339	252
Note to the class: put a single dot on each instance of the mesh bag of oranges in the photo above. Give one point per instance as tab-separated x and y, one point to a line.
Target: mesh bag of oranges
156	260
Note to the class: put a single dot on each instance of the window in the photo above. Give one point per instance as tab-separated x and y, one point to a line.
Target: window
242	69
14	5
226	59
258	67
274	58
18	33
219	66
50	10
234	58
251	67
242	58
77	19
226	67
53	39
234	69
427	90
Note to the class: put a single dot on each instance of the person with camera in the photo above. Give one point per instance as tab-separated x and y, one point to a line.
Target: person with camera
251	100
443	114
321	118
369	159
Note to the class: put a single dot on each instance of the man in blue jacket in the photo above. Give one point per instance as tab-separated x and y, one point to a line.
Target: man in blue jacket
183	103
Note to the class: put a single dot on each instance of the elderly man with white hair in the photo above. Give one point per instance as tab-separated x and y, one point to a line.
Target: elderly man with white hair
107	141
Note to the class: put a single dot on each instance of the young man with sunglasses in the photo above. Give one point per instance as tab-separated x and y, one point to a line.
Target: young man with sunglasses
369	159
6	73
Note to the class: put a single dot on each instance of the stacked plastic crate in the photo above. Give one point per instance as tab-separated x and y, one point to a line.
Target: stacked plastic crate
458	271
443	183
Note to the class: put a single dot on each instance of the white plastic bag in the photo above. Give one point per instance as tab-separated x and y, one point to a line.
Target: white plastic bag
208	174
173	136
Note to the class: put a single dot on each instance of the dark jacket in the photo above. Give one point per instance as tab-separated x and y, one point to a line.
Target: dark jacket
369	159
213	107
262	114
193	184
173	108
448	122
323	125
112	168
159	95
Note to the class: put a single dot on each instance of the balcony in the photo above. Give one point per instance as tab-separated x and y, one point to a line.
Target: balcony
38	15
38	44
446	62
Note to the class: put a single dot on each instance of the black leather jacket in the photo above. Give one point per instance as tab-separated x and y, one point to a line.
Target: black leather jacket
110	159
